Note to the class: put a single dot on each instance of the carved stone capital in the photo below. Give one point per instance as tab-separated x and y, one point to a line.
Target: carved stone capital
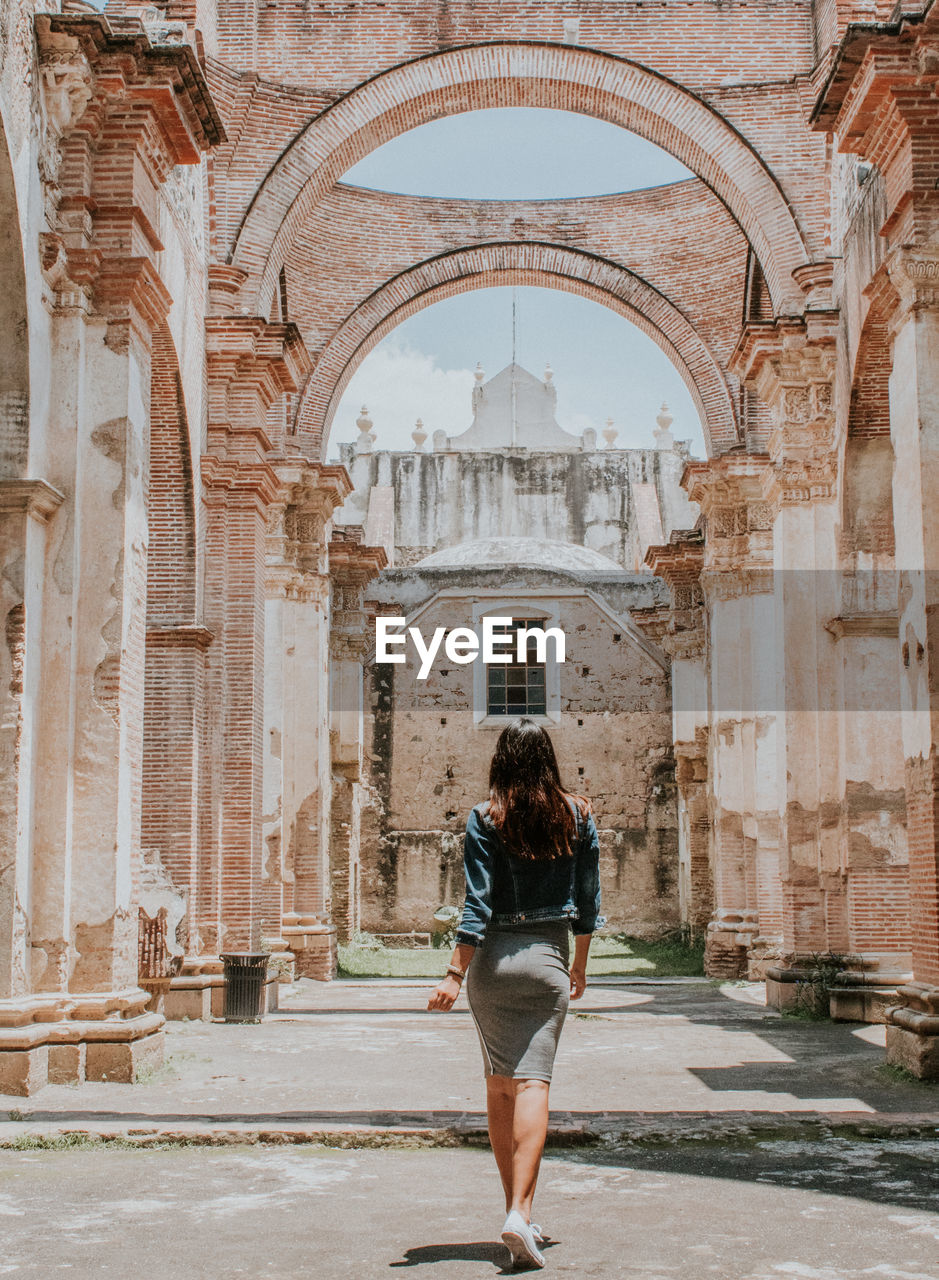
685	645
790	364
913	273
731	584
738	519
811	478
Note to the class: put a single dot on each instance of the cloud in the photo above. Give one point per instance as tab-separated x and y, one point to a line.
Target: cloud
400	384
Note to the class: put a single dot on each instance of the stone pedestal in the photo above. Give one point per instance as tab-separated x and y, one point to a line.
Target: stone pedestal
913	1030
68	1038
314	944
728	941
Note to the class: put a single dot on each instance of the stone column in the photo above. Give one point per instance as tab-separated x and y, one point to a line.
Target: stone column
251	364
120	112
913	1027
790	367
685	641
352	565
26	506
296	905
741	742
882	108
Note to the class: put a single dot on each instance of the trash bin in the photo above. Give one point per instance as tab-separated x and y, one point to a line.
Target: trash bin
245	972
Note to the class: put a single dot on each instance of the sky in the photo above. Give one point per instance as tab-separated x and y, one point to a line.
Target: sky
603	365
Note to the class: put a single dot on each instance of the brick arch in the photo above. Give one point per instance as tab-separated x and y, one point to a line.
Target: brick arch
547	265
530	75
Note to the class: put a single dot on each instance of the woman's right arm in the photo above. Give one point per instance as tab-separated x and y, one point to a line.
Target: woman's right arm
478	850
477	910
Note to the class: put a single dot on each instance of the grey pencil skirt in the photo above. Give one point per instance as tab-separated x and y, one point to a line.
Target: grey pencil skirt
518	988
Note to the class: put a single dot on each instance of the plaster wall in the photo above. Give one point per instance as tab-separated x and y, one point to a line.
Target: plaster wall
587	499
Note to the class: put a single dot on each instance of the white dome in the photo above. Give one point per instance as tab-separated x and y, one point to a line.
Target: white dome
529	553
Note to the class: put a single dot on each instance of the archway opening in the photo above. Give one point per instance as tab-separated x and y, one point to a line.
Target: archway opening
608	374
516	153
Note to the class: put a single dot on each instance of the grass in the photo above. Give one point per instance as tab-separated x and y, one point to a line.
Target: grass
896	1074
611	955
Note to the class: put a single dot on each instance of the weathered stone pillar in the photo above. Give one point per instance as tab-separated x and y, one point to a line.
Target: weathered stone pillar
251	363
685	641
790	366
25	508
881	106
913	1027
120	113
352	565
295	904
738	586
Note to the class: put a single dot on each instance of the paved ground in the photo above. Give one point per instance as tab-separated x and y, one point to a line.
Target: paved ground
353	1055
774	1211
716	1140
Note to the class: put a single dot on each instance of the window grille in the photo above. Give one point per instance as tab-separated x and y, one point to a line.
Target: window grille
517	688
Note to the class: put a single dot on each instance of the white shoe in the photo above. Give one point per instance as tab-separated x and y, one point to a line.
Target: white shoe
537	1233
519	1239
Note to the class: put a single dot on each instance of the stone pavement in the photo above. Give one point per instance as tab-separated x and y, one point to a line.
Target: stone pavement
767	1211
696	1134
364	1063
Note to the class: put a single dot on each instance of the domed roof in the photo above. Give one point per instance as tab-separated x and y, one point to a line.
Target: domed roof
529	553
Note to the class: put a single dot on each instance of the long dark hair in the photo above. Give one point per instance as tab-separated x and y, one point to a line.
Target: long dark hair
528	806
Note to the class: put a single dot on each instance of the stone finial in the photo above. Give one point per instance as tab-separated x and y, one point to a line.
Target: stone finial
419	435
589	440
548	373
441	442
663	436
479	376
366	435
610	433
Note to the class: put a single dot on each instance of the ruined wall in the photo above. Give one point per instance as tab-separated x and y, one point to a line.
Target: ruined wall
430	765
587	499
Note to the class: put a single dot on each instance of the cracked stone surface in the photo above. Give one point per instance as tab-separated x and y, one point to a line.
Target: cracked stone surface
770	1211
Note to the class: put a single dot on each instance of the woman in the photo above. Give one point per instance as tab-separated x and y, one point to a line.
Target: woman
532	873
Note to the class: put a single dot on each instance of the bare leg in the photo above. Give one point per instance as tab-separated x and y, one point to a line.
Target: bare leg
500	1108
529	1131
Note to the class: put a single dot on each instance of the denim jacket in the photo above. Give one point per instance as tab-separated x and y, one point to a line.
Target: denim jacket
506	889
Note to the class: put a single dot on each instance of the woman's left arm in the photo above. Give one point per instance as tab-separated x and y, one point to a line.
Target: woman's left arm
445	995
579	965
588	905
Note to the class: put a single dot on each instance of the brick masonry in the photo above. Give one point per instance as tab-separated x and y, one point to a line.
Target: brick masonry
165	168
